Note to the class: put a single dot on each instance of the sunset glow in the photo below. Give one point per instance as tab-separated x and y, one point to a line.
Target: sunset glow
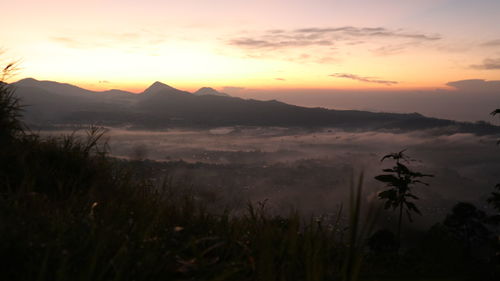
254	44
245	140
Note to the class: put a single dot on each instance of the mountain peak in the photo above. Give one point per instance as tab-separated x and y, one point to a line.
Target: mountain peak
156	87
209	91
158	83
64	89
27	81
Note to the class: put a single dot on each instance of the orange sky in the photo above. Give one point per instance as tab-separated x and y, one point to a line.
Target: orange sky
384	44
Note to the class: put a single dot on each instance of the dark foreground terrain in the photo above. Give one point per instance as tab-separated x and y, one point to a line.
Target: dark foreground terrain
68	211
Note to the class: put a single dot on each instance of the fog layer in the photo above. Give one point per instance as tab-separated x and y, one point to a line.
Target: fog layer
311	170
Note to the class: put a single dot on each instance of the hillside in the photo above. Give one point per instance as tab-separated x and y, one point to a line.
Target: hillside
161	106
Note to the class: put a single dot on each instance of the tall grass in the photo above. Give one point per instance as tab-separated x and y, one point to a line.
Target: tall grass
10	108
359	231
136	232
69	212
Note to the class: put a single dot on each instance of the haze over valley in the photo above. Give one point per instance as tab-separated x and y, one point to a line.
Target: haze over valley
218	133
232	140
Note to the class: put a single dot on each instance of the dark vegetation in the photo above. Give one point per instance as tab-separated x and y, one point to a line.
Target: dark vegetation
494	199
400	180
70	212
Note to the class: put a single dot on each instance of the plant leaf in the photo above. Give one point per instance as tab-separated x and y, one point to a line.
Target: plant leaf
388	179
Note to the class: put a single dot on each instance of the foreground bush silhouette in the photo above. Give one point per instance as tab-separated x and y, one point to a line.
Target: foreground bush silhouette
400	181
383	242
494	199
469	225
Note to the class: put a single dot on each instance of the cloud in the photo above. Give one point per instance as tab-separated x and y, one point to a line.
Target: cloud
230	89
104	82
371	32
492	43
329	60
278	44
323	43
488	64
280	79
278	39
129	41
363	79
390	50
70	42
476	85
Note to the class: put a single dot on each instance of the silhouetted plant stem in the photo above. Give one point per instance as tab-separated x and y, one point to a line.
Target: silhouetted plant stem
358	232
400	222
400	180
400	194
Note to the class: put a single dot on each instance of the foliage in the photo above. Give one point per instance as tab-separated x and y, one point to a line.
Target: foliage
494	199
467	222
493	113
441	250
10	109
400	180
68	214
383	242
358	232
477	241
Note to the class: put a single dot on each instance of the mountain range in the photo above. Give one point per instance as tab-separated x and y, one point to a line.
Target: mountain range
51	104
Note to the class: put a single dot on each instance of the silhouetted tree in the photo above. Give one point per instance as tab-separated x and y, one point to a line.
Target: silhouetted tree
494	199
493	113
383	242
441	249
468	224
400	179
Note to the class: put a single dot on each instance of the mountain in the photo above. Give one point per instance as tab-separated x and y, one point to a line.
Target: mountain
53	87
209	91
47	102
68	90
157	87
161	106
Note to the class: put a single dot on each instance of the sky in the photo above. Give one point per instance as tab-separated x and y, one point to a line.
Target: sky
388	45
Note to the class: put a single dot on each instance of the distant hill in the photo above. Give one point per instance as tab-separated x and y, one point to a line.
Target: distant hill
161	106
158	87
209	91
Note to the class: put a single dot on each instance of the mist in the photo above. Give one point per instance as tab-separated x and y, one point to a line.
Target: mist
310	171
